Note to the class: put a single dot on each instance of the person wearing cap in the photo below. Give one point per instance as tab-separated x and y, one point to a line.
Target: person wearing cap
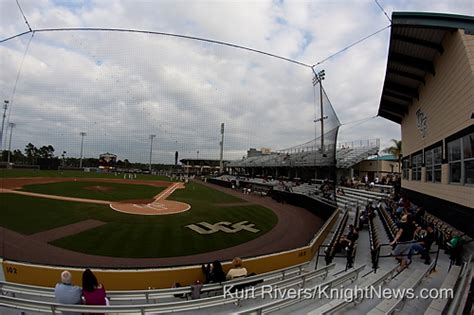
67	293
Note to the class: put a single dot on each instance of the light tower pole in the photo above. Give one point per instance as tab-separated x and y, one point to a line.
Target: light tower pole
151	149
221	162
5	106
11	125
318	79
82	146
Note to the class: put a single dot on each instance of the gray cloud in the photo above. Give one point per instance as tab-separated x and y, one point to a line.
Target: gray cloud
121	87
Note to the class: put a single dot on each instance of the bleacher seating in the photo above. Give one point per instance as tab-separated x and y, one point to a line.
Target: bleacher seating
333	243
353	196
388	306
286	301
345	157
36	304
388	223
373	242
153	294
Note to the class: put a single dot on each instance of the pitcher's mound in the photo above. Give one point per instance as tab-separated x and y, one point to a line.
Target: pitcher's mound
160	206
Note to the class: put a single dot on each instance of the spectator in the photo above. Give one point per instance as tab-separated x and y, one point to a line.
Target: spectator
347	241
196	290
214	272
237	271
405	234
424	246
66	293
93	292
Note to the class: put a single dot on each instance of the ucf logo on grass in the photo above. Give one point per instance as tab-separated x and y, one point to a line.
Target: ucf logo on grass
226	227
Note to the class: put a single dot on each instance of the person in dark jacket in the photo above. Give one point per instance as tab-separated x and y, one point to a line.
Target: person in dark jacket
214	272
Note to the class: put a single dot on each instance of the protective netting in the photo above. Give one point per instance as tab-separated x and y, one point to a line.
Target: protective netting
120	88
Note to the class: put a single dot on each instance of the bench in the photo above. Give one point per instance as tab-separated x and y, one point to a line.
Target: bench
388	306
137	295
276	305
163	307
437	306
338	304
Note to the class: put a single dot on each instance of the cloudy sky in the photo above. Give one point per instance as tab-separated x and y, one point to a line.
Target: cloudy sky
120	88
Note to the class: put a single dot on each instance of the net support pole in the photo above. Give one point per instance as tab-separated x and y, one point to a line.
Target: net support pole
151	150
5	106
322	113
82	134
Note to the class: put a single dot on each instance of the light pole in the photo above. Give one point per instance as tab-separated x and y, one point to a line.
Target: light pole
221	162
151	149
318	78
5	106
82	146
11	125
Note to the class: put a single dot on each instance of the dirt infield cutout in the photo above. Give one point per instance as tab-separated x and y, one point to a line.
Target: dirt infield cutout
159	205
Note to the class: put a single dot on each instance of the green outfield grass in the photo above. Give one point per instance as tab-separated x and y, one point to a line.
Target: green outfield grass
126	235
109	191
7	173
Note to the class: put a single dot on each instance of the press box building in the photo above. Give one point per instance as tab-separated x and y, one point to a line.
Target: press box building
429	91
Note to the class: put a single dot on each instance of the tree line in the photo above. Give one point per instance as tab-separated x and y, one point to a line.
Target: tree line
45	157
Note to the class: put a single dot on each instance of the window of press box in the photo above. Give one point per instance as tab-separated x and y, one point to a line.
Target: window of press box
405	168
461	160
416	161
433	161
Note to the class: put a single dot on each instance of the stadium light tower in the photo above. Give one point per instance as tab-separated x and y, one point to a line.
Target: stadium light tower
11	125
221	162
5	106
82	146
318	79
151	149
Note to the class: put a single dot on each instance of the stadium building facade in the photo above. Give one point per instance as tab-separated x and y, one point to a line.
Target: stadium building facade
429	91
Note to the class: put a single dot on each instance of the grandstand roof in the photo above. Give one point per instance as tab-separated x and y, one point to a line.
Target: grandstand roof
415	40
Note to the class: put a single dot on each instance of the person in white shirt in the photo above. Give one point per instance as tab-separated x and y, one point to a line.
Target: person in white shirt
237	271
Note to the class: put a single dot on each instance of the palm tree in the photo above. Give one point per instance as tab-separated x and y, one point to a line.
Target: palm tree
396	150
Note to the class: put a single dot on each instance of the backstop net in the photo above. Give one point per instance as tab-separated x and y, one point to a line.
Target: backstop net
147	96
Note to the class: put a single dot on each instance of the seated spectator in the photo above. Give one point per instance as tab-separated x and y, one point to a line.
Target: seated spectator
347	241
455	248
419	232
424	245
237	271
66	293
214	272
196	290
93	292
419	214
363	219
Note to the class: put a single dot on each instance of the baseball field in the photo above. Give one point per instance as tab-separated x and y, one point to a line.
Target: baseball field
118	234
